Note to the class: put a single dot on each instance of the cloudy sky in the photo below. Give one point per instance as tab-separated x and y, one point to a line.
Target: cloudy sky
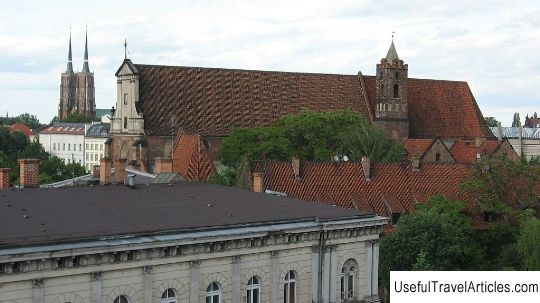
493	45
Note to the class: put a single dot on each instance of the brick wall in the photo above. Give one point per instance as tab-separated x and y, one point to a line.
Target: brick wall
4	178
29	173
438	148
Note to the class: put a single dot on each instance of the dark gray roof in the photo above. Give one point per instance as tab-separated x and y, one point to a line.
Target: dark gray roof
98	130
74	214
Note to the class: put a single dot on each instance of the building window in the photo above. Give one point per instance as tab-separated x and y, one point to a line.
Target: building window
80	147
54	146
101	146
289	289
125	99
213	293
121	299
86	145
437	157
397	75
125	122
395	218
168	296
254	290
348	272
488	216
396	90
63	146
69	146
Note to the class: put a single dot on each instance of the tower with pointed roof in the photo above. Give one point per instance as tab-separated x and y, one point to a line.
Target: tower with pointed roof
77	89
391	110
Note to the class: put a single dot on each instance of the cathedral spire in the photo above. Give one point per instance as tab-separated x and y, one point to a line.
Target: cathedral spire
86	69
69	64
392	54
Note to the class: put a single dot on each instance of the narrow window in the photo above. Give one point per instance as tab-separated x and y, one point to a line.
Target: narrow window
63	146
289	291
437	157
80	147
121	299
125	99
213	293
395	218
347	280
125	122
396	90
254	290
54	146
168	296
69	146
397	75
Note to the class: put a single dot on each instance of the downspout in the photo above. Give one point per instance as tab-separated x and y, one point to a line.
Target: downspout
322	240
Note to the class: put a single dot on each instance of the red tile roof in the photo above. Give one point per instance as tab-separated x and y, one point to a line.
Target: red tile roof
21	127
212	101
190	159
465	151
393	188
416	147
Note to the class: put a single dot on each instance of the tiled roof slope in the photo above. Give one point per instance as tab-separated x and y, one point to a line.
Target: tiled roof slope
212	101
465	151
394	187
416	147
190	159
439	108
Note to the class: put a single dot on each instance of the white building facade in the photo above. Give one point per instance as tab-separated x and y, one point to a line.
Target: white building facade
64	140
94	144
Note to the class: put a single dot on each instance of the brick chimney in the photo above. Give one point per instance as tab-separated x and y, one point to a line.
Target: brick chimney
258	182
366	167
163	165
29	173
120	170
295	162
415	162
4	178
105	171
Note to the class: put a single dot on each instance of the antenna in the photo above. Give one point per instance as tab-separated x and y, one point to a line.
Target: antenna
125	48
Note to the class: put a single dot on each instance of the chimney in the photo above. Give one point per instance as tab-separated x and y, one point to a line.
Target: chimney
105	171
163	165
296	167
29	173
366	167
95	171
120	170
415	162
4	178
258	182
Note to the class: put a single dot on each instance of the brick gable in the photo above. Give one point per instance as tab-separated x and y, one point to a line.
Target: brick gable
190	159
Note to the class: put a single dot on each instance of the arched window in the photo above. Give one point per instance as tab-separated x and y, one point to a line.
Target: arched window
213	293
121	299
396	90
289	290
168	296
253	290
348	273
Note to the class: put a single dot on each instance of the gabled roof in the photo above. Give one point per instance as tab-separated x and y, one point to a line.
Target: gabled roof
190	159
213	101
417	147
465	151
130	65
393	188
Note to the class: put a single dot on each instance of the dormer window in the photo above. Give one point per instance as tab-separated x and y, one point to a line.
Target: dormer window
395	218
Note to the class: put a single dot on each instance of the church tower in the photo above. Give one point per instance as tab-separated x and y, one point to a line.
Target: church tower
77	89
391	111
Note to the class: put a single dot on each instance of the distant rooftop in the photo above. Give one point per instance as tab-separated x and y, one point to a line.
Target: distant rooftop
513	132
98	130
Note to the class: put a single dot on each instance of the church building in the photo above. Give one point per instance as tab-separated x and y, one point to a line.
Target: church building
77	94
158	104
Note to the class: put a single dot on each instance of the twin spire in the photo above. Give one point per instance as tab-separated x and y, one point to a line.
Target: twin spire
86	68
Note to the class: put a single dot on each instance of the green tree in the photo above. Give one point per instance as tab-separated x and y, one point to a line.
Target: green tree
529	243
30	120
516	122
312	136
437	236
491	122
502	186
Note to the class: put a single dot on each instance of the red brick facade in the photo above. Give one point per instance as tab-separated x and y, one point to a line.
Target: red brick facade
4	178
29	173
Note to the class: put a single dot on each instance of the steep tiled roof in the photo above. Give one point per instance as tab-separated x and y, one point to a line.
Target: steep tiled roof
190	159
416	147
212	101
393	188
465	151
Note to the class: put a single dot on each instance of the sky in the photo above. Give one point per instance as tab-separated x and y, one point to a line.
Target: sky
492	45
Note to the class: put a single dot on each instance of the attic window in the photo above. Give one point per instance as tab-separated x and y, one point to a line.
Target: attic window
395	218
437	157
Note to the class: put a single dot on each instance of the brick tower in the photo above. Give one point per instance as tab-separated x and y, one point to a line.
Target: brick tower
77	89
391	111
